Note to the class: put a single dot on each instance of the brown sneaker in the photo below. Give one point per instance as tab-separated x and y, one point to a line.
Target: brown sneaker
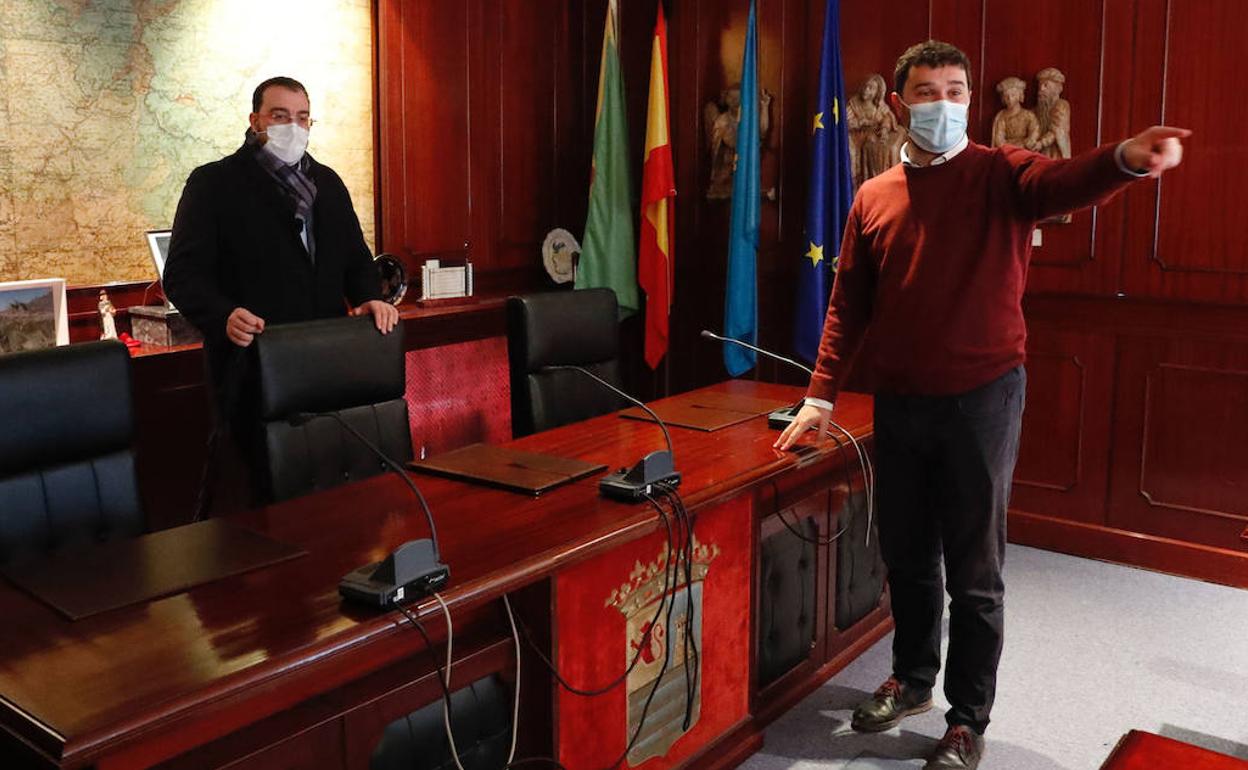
889	705
961	748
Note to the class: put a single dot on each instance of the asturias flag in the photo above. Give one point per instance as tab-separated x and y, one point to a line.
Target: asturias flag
831	192
658	188
741	296
608	251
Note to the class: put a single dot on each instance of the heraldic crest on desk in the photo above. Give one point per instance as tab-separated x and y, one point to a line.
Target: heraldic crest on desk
637	599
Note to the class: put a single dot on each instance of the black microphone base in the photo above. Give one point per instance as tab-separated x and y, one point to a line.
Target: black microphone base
783	418
617	487
412	571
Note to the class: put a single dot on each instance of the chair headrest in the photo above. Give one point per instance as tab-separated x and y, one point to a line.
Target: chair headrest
563	328
328	365
63	404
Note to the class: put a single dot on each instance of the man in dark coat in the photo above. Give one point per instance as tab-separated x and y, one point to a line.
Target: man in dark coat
267	235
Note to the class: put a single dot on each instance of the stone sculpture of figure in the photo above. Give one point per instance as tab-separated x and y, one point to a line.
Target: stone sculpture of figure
720	120
1053	113
108	324
1015	124
874	137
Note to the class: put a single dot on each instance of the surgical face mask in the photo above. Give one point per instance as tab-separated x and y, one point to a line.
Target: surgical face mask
287	141
937	126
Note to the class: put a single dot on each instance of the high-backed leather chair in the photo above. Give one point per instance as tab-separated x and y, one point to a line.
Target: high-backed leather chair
480	719
568	328
66	461
341	365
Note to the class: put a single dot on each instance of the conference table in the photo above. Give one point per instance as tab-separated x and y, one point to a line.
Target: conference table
270	668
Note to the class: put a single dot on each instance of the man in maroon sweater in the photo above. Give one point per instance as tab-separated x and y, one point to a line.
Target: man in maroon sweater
932	270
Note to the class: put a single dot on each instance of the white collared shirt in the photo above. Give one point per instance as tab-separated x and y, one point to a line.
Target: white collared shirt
939	159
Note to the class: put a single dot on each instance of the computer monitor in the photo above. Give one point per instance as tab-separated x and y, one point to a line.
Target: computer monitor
158	244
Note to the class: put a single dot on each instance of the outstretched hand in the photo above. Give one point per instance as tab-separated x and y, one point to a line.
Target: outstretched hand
1155	150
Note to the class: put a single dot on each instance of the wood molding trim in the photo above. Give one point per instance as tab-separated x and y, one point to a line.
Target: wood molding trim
1160	554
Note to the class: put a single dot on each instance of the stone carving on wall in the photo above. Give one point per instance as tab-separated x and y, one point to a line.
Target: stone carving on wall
720	119
875	138
1015	124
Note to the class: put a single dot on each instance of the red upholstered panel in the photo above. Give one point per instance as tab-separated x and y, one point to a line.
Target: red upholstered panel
458	395
598	619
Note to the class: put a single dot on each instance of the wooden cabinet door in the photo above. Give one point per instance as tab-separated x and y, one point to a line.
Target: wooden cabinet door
1181	439
1063	461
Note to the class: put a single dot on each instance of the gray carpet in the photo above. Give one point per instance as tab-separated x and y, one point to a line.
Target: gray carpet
1092	650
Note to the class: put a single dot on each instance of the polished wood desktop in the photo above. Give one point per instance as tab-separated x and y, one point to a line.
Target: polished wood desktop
232	668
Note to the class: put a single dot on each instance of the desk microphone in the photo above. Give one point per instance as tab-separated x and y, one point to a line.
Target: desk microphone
780	418
413	569
634	484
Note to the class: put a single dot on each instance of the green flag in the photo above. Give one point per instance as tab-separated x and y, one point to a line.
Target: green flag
608	250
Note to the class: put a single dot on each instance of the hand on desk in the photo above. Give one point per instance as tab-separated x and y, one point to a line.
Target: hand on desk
385	315
242	326
807	417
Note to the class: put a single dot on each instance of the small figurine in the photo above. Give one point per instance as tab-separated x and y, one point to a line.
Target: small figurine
1015	124
875	139
108	323
719	120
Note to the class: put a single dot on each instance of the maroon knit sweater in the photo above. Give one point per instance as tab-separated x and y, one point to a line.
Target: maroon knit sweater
934	263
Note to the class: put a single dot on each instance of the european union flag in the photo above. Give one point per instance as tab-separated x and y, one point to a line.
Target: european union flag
741	295
831	192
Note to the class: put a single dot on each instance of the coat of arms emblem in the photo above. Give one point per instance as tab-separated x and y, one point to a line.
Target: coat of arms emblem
668	643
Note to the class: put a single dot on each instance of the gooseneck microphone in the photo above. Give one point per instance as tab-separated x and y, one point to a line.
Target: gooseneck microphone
634	484
780	418
710	335
413	569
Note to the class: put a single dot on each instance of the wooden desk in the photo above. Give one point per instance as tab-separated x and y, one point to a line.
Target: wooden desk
1139	750
243	663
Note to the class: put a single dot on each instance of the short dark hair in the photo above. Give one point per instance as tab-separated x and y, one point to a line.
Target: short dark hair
257	96
929	53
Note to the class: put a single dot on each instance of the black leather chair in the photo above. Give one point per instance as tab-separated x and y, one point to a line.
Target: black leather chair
576	328
859	566
340	365
66	460
481	722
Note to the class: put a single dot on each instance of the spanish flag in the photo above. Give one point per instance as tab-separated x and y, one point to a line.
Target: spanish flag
658	188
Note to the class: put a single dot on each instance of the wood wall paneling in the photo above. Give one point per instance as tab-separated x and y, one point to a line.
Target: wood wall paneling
1063	462
1186	239
1067	34
1180	429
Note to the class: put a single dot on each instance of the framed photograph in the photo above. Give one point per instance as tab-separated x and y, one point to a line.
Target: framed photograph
158	245
33	315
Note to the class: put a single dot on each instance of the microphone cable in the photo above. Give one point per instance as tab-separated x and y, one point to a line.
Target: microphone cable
690	643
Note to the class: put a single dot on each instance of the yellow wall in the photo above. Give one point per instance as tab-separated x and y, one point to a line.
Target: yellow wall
107	105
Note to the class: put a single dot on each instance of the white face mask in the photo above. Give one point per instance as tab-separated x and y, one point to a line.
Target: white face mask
288	141
937	126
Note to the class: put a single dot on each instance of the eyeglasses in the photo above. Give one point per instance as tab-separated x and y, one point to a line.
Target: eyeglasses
282	117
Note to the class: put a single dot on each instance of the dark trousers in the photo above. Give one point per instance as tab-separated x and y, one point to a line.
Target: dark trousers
943	471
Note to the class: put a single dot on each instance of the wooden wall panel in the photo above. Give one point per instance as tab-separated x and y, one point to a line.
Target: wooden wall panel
1180	437
1186	239
424	128
480	139
1063	462
1069	35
